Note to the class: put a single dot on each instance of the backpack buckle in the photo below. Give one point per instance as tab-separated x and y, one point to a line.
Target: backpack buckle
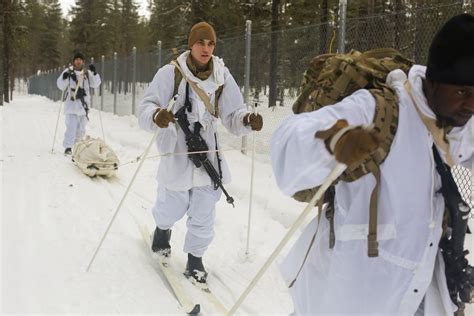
373	246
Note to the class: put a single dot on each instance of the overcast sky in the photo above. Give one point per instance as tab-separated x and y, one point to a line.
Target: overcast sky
142	10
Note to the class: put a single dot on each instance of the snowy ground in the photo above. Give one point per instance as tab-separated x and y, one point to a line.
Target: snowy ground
53	217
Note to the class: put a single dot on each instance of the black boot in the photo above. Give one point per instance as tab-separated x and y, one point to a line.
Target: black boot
68	151
161	242
195	269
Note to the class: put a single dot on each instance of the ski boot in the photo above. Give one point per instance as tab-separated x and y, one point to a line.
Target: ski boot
161	242
68	151
195	269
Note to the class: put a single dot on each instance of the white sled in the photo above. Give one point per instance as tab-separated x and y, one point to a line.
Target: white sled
94	157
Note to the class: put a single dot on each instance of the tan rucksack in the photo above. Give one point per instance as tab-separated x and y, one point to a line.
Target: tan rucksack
332	77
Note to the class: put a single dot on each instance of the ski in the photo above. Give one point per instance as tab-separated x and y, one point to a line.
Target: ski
210	296
172	278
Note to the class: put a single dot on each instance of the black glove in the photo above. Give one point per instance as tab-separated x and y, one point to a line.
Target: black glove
92	68
73	76
65	75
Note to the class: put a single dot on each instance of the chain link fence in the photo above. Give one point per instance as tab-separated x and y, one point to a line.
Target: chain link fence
277	63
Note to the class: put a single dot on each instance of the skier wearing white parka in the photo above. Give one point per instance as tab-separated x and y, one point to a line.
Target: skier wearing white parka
78	81
184	188
419	266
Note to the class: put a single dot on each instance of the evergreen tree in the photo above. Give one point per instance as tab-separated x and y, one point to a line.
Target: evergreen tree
113	18
141	35
274	53
34	24
5	50
14	44
168	22
129	26
52	33
89	30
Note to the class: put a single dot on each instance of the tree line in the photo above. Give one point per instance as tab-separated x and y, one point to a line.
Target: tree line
286	33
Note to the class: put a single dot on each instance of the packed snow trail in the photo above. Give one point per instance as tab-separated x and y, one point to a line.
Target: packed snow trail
53	217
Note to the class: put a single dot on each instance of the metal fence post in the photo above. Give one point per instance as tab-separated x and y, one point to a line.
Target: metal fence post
158	44
248	32
92	89
341	47
115	83
248	41
134	77
102	73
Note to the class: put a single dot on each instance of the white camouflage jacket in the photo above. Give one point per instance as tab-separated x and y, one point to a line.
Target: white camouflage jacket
178	173
87	80
344	280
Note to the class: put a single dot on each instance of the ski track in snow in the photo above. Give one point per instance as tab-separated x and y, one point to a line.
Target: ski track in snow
53	217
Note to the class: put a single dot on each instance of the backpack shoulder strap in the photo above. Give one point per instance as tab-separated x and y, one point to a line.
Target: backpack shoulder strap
216	99
177	80
202	95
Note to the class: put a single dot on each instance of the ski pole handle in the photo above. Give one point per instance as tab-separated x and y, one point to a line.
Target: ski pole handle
171	103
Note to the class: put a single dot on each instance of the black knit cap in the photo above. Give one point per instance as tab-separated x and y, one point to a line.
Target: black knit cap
451	55
80	55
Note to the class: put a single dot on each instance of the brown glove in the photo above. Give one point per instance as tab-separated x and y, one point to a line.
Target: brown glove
254	120
163	118
353	146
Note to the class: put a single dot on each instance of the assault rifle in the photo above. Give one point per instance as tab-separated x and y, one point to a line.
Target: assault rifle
79	93
459	274
196	143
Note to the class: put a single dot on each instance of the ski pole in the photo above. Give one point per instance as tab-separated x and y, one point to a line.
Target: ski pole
121	201
125	194
100	112
322	189
251	186
57	121
101	124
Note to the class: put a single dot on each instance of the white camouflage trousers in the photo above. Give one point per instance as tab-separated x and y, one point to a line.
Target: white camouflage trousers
75	129
199	203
